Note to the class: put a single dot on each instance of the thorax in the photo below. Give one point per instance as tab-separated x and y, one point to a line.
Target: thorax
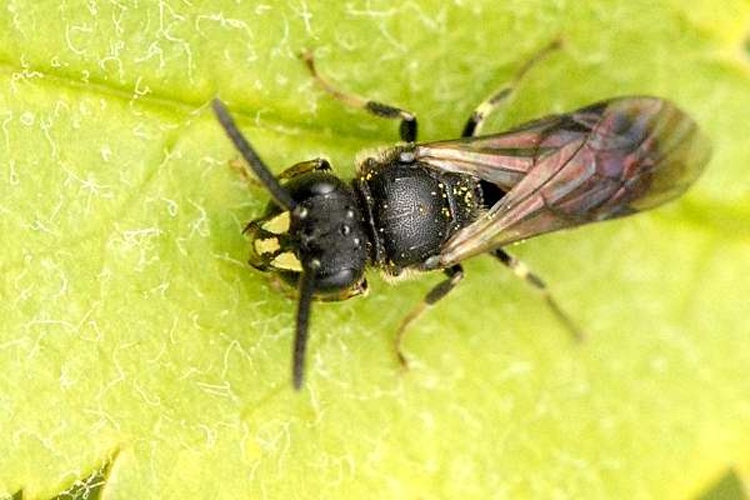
411	209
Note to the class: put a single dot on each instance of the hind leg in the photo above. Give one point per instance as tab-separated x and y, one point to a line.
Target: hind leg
522	271
501	96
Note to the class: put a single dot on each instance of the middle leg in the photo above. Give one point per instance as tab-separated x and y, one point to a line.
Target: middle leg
408	127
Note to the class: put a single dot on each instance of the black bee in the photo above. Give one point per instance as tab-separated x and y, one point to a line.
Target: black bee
429	206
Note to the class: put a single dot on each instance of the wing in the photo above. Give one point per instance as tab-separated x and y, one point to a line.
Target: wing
600	162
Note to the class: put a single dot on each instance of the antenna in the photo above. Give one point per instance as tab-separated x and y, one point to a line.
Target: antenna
306	289
280	195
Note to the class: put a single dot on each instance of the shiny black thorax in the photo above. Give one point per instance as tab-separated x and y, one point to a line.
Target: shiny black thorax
411	210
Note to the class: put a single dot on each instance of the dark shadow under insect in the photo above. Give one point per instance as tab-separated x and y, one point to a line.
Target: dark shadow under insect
429	206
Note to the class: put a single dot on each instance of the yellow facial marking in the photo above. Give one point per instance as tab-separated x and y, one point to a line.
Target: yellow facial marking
268	245
287	261
277	225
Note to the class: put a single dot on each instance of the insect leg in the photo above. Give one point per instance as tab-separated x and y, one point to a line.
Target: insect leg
522	271
454	275
242	168
408	127
318	164
492	103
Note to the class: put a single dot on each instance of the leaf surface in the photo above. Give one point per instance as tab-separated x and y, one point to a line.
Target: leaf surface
133	328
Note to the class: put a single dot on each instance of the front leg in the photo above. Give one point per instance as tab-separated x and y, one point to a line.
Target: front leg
304	167
243	170
454	276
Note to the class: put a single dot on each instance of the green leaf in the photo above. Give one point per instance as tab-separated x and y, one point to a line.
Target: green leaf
131	323
728	487
90	487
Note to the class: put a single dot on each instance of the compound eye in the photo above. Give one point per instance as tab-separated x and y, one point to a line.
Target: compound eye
341	280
